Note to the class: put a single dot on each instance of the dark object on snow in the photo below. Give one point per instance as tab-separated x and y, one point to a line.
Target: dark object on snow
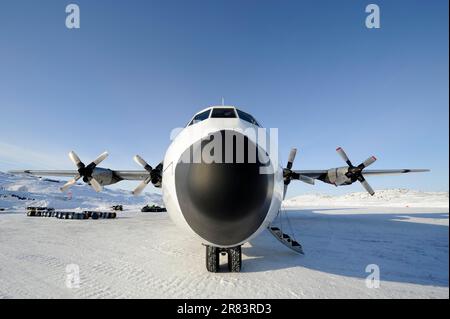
39	208
21	197
99	215
40	211
50	180
1	209
117	207
50	212
153	209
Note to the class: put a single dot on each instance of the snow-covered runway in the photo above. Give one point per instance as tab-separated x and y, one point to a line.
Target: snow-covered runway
144	255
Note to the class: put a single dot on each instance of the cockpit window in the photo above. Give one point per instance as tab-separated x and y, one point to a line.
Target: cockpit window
223	113
247	117
200	117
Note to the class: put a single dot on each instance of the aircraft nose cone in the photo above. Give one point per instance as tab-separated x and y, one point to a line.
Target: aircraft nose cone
223	202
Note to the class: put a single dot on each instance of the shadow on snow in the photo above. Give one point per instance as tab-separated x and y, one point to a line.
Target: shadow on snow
344	244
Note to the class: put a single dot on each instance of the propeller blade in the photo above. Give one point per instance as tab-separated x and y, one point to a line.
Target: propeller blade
70	183
142	162
141	186
285	190
344	156
96	185
366	185
368	162
100	158
306	179
302	178
291	158
75	159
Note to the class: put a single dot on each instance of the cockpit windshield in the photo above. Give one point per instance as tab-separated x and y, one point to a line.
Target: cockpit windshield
200	117
223	113
247	117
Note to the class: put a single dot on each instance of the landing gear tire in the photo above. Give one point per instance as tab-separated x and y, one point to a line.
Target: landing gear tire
234	259
212	258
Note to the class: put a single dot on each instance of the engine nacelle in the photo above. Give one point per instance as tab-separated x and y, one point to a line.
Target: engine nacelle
104	176
337	176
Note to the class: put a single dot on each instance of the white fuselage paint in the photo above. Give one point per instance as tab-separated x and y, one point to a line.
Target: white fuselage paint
187	137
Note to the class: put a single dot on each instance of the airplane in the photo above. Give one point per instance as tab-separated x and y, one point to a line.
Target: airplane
227	193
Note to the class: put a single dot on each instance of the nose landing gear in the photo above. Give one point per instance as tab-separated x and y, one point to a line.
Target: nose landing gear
234	259
213	258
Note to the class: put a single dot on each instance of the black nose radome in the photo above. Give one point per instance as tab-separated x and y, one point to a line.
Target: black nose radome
224	202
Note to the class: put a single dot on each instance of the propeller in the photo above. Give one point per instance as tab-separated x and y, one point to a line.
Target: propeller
289	174
355	172
85	172
145	182
154	176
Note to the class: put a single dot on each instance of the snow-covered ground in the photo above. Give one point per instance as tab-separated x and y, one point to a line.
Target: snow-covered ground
144	255
45	192
382	198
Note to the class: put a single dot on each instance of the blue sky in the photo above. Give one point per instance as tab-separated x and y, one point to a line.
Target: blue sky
137	69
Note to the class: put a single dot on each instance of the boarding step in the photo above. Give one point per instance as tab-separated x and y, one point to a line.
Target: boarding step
286	240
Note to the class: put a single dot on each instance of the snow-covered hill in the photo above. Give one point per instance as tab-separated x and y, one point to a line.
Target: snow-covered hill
19	191
382	198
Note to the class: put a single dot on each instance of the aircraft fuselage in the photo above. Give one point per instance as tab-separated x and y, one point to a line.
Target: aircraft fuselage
220	183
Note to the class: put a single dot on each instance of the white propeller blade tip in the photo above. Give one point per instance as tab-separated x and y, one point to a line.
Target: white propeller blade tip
139	160
74	157
96	185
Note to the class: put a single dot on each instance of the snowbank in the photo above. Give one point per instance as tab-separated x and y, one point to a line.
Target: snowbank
382	198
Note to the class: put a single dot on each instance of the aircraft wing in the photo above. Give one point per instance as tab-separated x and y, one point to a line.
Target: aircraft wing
134	175
346	175
311	173
60	173
340	176
131	175
393	171
317	174
97	177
